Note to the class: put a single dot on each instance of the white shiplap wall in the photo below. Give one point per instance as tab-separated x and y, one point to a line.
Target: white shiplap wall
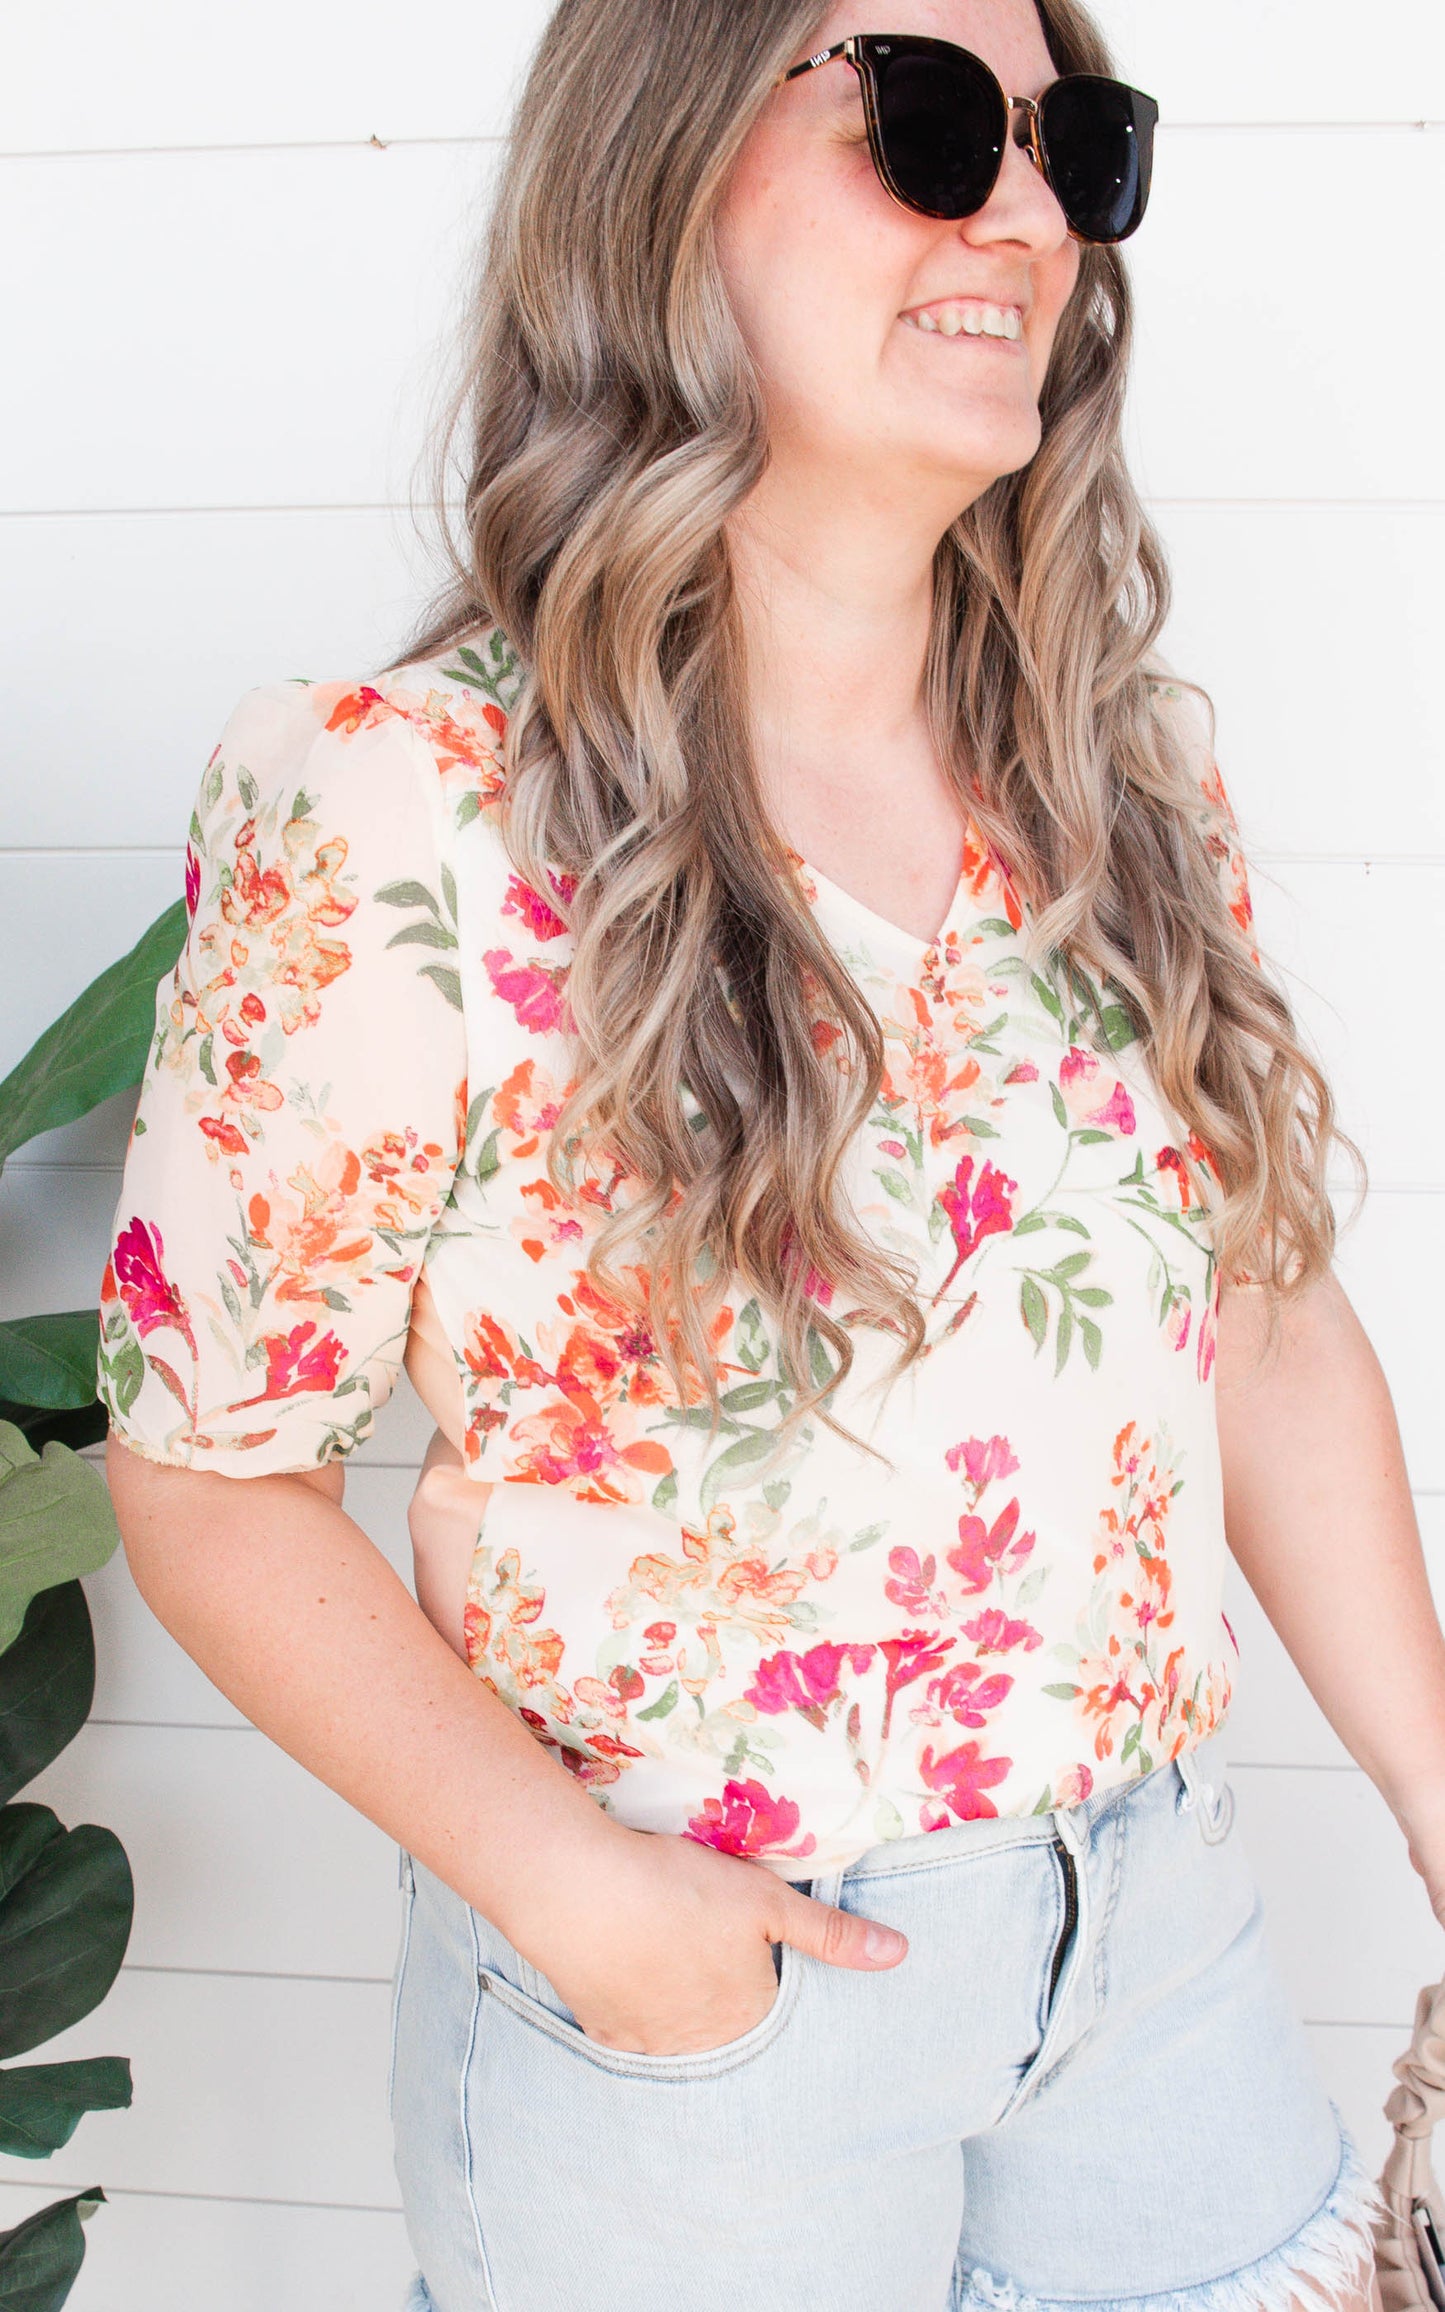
231	247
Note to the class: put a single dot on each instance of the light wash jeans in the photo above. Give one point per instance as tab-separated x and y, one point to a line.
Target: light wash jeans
1084	2085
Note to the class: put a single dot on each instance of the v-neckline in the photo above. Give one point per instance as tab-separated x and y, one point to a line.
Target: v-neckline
885	923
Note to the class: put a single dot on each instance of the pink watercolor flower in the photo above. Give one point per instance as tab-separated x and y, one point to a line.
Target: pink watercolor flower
916	1654
749	1820
193	883
912	1580
964	1776
137	1266
1204	1345
536	995
966	1694
976	1208
984	1459
1177	1323
1023	1072
1074	1786
807	1683
983	1549
1080	1074
541	920
995	1632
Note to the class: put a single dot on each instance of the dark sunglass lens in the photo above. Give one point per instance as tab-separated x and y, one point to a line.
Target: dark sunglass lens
1098	138
941	124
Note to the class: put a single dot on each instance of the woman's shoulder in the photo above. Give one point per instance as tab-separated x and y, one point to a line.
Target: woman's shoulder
445	711
1185	712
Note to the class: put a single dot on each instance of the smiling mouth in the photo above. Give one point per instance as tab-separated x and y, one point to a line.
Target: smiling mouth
968	317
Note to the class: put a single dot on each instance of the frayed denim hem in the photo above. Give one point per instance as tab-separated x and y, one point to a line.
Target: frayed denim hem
418	2297
1332	2250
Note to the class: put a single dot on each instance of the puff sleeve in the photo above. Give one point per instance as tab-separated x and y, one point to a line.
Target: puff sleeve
299	1121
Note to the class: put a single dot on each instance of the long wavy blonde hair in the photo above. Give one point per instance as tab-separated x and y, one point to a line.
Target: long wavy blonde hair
609	422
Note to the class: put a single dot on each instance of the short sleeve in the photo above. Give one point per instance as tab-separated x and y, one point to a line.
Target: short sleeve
298	1125
1190	724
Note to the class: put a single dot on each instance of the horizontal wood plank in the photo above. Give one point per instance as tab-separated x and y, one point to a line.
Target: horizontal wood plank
1289	616
249	391
245	2088
76	75
161	2252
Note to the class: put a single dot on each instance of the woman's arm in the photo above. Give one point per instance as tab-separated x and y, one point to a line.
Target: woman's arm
1319	1517
656	1943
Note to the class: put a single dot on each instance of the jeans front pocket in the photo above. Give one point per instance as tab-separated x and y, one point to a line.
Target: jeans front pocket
544	2011
1206	1793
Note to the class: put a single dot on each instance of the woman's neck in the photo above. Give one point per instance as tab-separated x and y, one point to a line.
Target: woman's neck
836	612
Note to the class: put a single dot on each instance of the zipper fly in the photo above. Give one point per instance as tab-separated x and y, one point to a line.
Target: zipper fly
1071	1913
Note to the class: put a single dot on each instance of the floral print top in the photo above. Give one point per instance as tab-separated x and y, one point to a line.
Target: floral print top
355	1069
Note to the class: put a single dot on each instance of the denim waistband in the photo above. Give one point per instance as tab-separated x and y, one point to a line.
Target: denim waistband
1191	1767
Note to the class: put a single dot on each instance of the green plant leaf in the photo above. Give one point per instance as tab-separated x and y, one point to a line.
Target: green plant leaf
86	1426
40	2258
50	1361
47	1684
42	2104
95	1048
66	1901
55	1522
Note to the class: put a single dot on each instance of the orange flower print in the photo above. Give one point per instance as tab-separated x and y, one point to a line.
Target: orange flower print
525	1108
597	1456
1126	1684
457	731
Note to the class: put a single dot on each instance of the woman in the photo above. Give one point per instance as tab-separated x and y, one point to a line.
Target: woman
760	1012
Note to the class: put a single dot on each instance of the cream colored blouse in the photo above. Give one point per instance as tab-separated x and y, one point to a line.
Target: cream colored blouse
338	1166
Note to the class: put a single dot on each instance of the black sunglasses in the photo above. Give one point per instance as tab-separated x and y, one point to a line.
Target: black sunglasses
939	124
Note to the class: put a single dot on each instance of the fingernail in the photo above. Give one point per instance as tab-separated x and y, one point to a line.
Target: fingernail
882	1943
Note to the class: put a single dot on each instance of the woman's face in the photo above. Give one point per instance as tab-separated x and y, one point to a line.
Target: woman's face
851	305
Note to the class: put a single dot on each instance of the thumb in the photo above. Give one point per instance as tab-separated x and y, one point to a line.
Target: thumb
837	1936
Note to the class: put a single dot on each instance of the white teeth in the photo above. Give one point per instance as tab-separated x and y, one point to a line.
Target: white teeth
970	320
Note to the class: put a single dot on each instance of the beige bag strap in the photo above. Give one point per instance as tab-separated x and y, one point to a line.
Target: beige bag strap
1403	2261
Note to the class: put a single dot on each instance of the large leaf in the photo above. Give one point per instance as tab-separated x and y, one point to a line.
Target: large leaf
86	1426
66	1901
42	2104
97	1047
50	1361
55	1522
47	1683
40	2258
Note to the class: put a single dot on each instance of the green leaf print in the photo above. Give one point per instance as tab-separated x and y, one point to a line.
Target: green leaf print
1063	1338
1118	1027
423	935
449	981
1093	1341
752	1339
734	1461
666	1701
1035	1311
748	1395
664	1493
1047	997
1061	1113
1069	1694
